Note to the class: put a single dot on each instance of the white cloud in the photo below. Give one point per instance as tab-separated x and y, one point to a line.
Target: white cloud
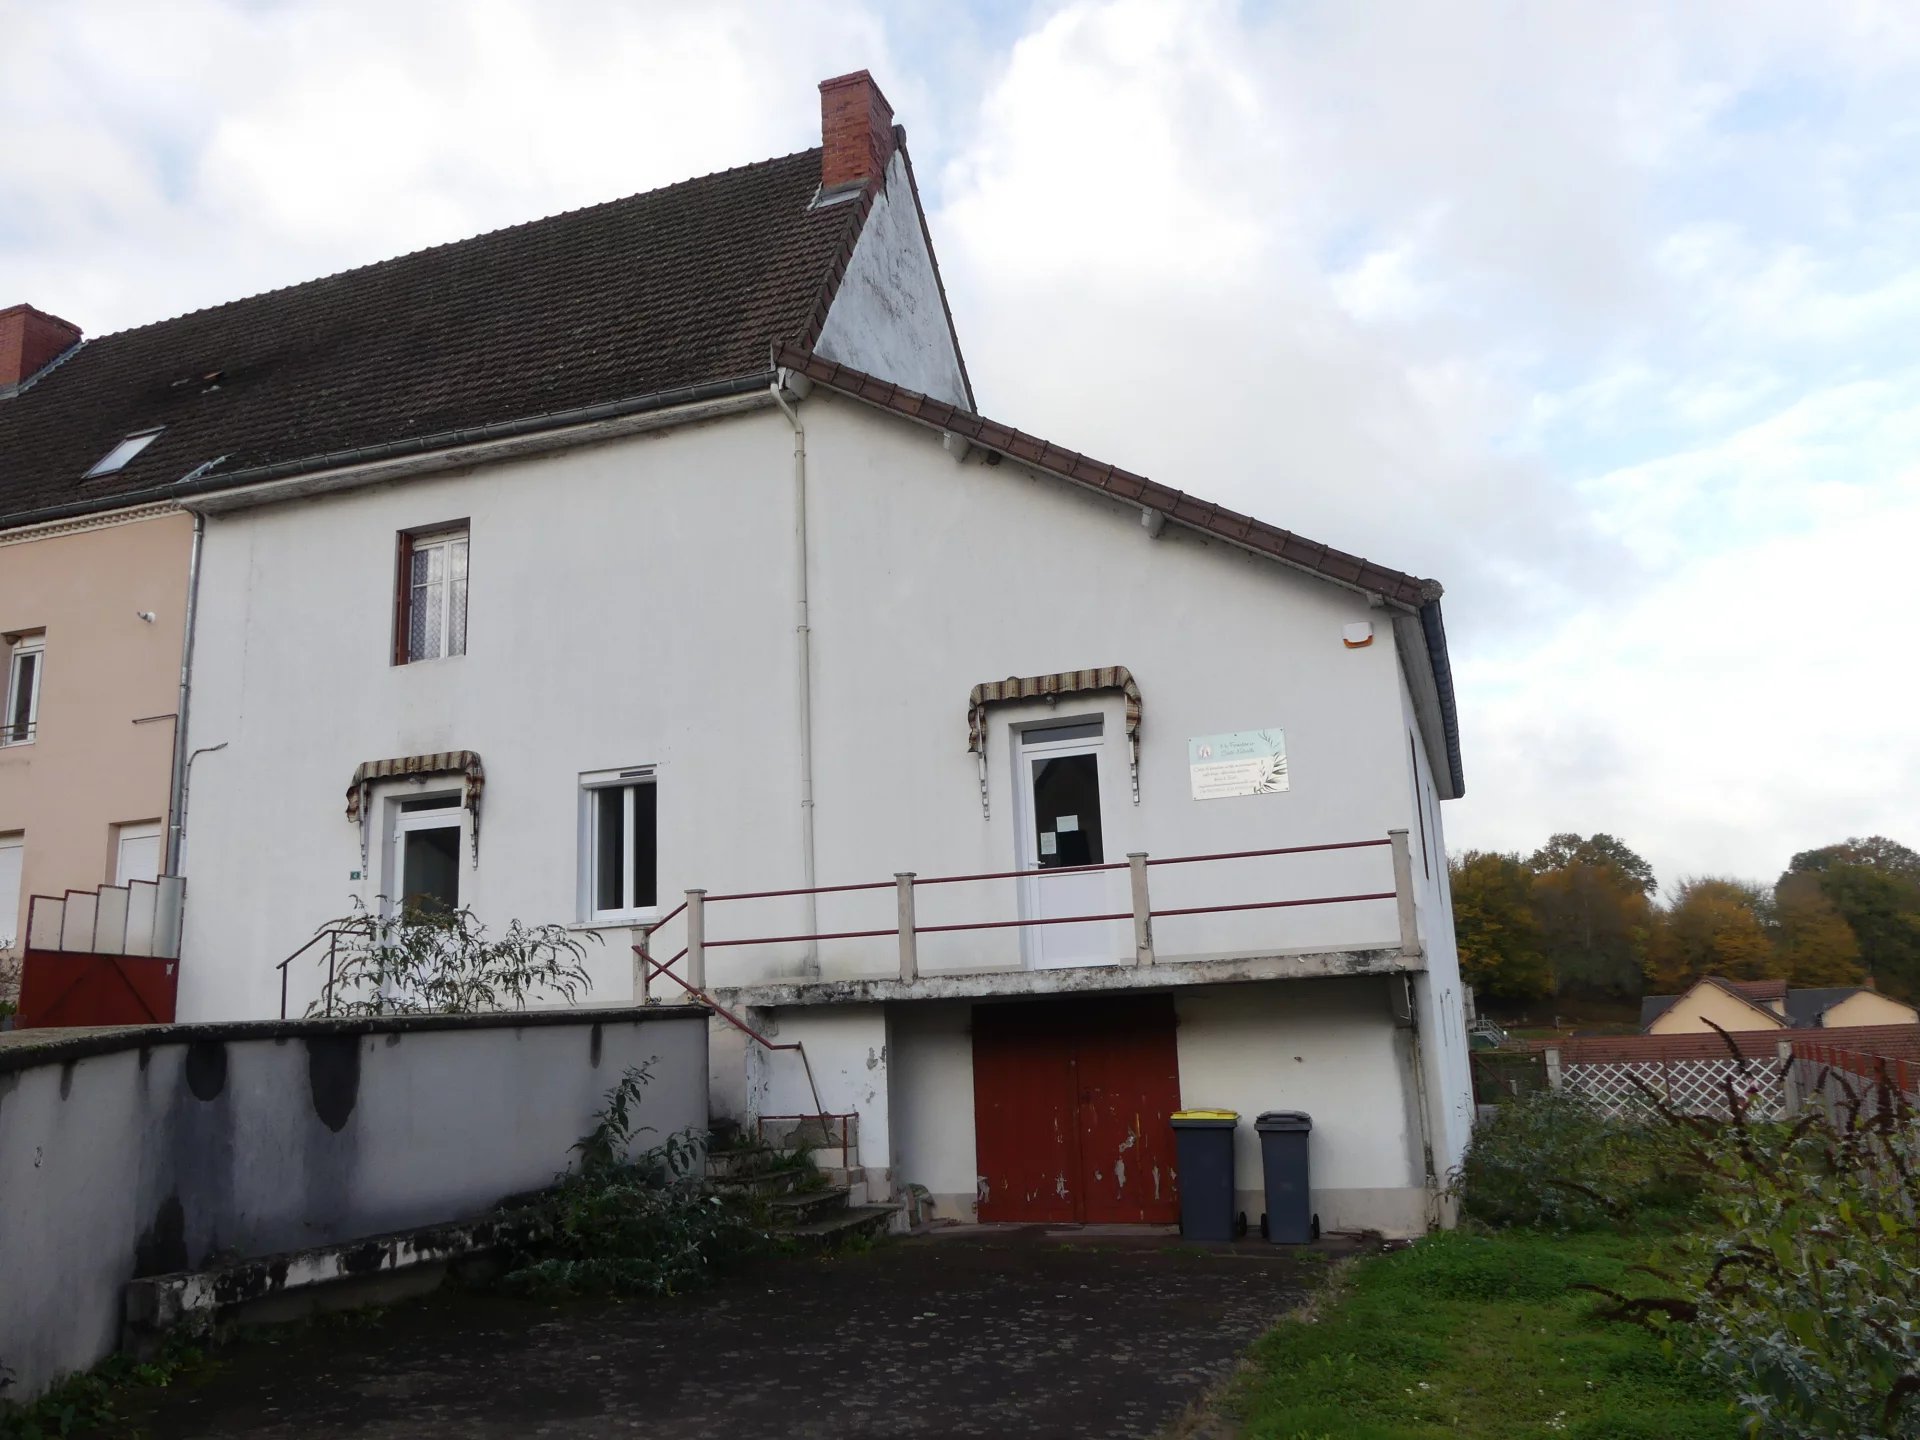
1600	313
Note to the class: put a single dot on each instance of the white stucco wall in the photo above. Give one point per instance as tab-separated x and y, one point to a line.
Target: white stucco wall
1439	999
887	317
630	605
931	576
932	1055
1332	1049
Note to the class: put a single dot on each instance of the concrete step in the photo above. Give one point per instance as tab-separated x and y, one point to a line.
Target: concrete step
805	1206
761	1185
817	1133
865	1220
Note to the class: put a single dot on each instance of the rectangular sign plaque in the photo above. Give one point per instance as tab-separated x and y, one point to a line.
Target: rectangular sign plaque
1242	762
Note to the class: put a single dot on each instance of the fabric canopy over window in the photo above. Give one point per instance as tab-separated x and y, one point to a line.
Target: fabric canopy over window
1042	687
464	763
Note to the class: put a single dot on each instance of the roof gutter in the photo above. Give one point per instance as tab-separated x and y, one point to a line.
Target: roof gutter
202	480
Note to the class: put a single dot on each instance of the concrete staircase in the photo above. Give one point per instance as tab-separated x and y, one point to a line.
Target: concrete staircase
815	1194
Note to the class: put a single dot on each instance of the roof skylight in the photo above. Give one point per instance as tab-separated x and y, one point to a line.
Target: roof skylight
117	458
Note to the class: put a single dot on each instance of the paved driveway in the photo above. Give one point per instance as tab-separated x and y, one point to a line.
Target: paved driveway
996	1332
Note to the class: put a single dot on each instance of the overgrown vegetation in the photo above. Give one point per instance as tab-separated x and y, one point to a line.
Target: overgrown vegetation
428	961
1552	1162
1803	1291
95	1402
633	1221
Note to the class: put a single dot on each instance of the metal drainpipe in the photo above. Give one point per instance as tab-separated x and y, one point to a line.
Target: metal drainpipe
176	802
803	638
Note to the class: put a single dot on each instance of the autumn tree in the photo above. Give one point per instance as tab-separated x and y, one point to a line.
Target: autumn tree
1874	884
1567	850
1590	897
1501	944
1817	945
1714	926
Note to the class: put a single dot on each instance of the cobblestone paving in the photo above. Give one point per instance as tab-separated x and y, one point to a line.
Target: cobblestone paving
991	1332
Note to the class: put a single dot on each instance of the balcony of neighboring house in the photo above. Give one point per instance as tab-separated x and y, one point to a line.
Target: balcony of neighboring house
1340	908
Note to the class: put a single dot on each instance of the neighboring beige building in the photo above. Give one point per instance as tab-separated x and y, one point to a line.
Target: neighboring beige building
92	613
1768	1005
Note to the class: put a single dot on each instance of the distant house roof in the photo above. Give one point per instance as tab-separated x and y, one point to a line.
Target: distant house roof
675	288
1806	1007
1652	1007
1418	595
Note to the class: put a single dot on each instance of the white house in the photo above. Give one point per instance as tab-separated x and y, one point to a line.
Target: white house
650	566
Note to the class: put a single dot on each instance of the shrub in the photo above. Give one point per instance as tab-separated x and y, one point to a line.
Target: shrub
443	962
1809	1291
1552	1162
627	1223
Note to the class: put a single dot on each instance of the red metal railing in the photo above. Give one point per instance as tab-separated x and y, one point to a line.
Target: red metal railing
907	928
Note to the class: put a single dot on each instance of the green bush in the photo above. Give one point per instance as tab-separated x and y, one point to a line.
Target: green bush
1551	1161
1808	1291
627	1223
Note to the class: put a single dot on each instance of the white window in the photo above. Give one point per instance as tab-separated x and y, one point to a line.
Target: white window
136	852
431	606
619	845
12	851
22	720
118	457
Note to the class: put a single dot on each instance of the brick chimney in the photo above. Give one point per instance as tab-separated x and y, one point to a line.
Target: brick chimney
856	131
29	338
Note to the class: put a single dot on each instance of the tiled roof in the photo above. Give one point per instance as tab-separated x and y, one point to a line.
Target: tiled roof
1761	990
1422	596
653	293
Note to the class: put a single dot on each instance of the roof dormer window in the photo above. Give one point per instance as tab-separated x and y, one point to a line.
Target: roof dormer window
117	458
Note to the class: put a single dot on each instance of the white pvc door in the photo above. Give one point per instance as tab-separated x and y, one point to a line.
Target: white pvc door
137	854
1060	829
425	865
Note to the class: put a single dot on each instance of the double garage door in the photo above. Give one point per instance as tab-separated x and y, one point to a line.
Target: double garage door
1072	1102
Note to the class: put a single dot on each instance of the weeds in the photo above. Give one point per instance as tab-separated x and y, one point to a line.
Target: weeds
1552	1162
93	1401
443	962
1804	1296
632	1224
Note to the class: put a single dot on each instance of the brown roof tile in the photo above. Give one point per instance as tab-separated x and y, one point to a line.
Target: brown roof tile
652	293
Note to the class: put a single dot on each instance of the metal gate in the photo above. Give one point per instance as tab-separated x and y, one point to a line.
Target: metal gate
1072	1107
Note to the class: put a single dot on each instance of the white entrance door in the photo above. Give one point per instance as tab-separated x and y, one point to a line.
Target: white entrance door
424	873
1059	820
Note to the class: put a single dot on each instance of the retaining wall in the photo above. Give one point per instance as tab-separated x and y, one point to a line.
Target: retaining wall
144	1152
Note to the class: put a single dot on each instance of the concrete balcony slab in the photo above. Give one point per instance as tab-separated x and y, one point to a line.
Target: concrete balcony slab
1078	980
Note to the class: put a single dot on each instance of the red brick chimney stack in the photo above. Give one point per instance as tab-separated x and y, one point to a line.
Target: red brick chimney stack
856	131
29	338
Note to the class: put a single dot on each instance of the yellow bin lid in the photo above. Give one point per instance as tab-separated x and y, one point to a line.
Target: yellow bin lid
1206	1115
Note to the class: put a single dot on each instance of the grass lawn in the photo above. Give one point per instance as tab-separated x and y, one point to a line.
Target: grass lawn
1480	1337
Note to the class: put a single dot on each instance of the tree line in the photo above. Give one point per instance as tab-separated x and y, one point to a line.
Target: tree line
1581	918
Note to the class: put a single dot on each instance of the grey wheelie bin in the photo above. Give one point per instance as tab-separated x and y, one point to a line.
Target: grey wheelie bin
1205	1142
1283	1156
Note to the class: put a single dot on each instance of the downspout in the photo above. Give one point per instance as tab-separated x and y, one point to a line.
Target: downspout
803	661
177	801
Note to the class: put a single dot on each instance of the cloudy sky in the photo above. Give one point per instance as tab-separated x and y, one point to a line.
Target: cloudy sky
1606	314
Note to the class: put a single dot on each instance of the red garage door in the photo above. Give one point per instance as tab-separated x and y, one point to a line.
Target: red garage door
1071	1102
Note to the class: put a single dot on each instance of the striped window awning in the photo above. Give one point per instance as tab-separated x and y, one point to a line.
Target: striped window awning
1042	687
464	763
